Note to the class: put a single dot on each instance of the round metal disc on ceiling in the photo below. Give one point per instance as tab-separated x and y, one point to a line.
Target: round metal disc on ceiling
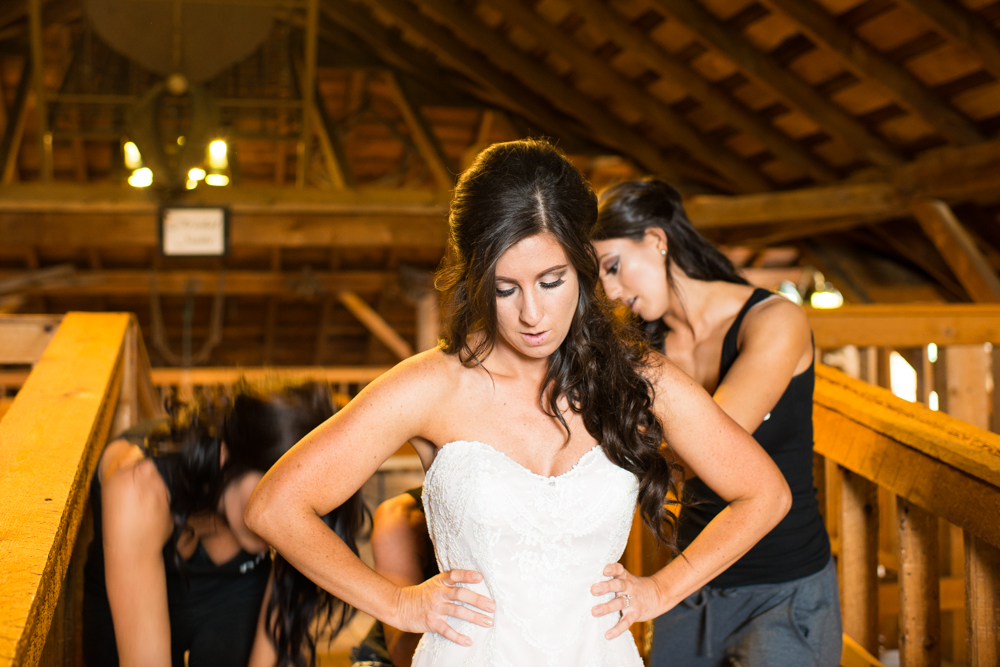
213	36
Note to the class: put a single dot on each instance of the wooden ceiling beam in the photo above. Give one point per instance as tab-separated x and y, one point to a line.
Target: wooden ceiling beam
588	65
508	92
421	135
288	285
869	64
796	92
604	19
965	27
536	76
958	249
949	173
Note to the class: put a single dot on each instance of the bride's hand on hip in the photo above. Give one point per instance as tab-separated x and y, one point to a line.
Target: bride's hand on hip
635	598
427	606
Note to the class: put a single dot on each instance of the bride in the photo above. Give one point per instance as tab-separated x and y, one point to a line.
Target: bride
539	420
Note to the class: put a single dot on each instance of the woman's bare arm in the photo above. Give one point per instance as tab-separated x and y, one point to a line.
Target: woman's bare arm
775	345
732	464
326	467
136	523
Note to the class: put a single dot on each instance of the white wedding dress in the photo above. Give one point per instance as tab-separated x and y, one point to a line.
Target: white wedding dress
540	544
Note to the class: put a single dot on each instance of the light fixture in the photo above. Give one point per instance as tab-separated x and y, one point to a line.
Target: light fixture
829	298
932	352
217	179
788	290
141	178
196	174
133	159
191	184
217	155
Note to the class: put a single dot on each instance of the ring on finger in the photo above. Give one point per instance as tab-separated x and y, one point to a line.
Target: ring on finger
628	599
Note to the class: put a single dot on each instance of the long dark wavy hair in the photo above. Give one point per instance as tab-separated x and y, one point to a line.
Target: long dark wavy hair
258	424
513	191
628	209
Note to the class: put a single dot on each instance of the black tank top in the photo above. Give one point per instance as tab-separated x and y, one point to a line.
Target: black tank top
799	545
373	648
213	608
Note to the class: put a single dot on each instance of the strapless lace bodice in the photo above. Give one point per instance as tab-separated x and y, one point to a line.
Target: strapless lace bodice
540	544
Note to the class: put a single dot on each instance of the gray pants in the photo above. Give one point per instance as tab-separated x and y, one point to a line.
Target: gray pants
792	624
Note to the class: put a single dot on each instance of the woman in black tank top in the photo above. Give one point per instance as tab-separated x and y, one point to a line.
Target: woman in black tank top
173	574
777	605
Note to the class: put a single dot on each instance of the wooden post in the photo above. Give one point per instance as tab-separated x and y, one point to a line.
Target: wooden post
859	555
919	594
308	88
982	602
428	321
38	74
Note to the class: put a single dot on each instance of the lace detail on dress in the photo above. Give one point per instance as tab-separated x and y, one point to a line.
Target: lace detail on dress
540	544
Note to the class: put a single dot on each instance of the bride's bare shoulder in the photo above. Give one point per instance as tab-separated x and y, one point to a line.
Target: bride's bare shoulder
429	375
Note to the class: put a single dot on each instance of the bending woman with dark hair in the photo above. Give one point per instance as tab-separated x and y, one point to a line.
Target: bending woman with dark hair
173	574
752	350
539	421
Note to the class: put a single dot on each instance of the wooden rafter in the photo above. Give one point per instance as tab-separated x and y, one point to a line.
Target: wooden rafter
765	69
958	249
333	154
609	22
588	65
869	64
376	324
557	91
964	26
507	91
421	134
10	144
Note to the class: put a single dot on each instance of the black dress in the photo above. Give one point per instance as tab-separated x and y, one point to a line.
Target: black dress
213	608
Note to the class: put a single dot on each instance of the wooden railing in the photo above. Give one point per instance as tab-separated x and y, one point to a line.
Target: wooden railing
91	379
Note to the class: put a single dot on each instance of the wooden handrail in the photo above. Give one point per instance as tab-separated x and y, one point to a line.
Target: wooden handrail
50	443
934	461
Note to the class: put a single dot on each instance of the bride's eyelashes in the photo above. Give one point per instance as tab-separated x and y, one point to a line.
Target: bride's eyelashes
552	285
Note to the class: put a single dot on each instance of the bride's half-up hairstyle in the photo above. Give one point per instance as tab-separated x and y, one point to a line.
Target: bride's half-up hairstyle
258	423
516	190
628	209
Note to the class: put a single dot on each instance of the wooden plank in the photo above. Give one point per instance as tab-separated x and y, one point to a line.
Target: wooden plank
924	481
982	574
868	64
50	443
555	89
428	321
766	70
607	21
421	134
374	322
107	199
333	154
859	559
588	65
855	655
905	325
965	27
289	285
967	448
919	588
958	249
23	338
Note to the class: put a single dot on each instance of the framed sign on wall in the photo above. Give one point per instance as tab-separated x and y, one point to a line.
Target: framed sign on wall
188	231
